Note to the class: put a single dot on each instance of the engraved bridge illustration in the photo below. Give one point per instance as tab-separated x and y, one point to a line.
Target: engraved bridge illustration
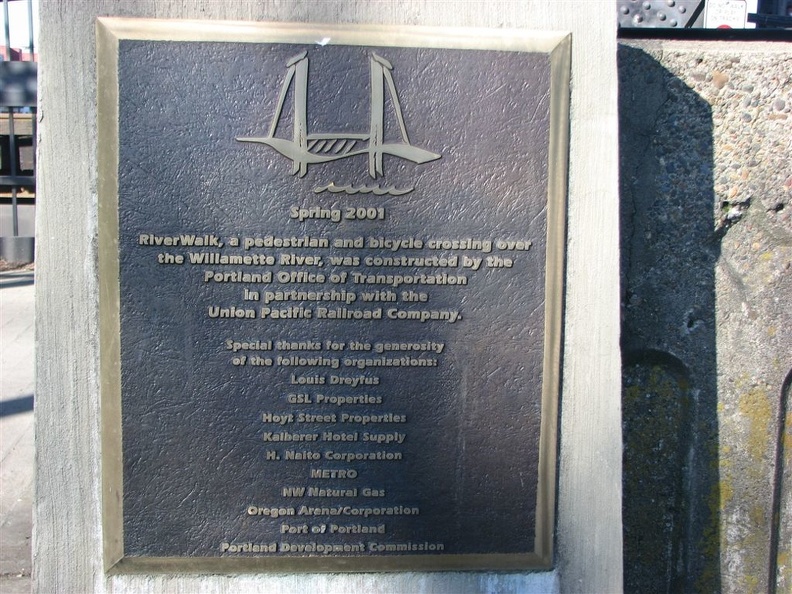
306	148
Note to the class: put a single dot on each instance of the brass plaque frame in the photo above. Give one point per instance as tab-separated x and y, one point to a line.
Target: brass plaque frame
110	32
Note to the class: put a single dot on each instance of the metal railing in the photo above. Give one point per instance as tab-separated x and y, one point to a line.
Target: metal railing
17	118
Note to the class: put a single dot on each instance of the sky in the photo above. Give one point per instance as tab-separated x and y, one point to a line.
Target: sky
18	19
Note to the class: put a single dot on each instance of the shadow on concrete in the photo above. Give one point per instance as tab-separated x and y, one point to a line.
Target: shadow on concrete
9	280
16	283
16	406
669	250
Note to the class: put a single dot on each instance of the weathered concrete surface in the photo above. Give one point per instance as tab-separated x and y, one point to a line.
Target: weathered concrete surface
707	328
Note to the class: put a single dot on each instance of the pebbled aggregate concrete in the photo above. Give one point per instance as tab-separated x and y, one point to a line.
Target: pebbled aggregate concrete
706	182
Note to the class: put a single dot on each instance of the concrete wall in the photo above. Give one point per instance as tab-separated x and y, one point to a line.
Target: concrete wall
706	180
67	534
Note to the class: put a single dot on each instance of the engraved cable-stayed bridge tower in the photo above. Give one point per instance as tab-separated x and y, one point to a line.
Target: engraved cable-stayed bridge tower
306	148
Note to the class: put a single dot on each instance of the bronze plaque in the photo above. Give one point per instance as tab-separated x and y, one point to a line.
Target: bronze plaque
331	269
